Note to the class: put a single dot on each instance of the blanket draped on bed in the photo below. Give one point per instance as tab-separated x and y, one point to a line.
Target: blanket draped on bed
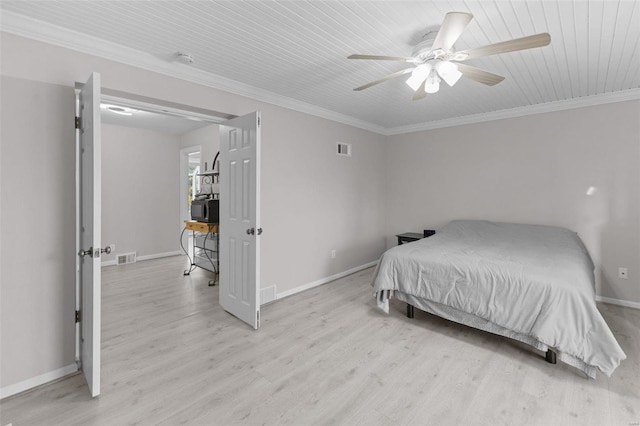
530	282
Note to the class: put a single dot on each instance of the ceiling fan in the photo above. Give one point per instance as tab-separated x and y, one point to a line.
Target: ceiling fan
434	59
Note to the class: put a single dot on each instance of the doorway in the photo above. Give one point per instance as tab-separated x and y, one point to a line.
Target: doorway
190	164
128	107
141	166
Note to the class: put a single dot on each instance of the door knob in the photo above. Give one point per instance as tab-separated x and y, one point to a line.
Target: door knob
259	231
83	253
251	231
107	250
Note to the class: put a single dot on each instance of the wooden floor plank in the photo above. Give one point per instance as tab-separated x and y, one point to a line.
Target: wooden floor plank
171	355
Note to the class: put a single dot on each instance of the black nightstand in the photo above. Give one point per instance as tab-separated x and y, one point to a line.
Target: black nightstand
407	237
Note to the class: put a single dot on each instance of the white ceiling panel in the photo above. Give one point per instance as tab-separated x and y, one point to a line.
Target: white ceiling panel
298	50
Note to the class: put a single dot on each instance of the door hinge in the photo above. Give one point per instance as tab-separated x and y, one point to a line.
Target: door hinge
78	317
258	121
78	122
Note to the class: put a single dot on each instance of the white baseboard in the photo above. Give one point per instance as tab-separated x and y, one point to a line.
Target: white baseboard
159	255
146	257
625	303
37	381
325	280
303	287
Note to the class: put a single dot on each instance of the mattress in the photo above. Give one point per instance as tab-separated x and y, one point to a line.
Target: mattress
530	282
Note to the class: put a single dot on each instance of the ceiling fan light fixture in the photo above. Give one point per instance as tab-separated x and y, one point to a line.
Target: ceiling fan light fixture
418	75
432	84
449	72
431	58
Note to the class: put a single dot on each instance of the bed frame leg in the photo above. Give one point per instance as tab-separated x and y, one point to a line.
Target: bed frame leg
551	357
409	311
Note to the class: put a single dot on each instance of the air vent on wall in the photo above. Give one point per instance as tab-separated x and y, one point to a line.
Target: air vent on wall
344	149
267	295
125	258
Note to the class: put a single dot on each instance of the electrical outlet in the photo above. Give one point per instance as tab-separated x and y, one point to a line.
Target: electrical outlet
333	254
622	273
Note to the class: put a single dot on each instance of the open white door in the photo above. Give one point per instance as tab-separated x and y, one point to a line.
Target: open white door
89	199
240	217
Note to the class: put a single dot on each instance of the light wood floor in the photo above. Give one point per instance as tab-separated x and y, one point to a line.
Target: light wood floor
171	355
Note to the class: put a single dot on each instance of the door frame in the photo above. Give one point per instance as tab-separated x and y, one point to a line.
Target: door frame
88	232
184	167
78	303
137	102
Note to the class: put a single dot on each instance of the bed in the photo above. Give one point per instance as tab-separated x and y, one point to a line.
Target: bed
531	283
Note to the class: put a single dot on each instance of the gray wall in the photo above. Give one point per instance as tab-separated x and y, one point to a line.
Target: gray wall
318	201
533	169
140	183
37	229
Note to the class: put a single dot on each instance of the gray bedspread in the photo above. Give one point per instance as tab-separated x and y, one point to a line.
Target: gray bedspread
534	280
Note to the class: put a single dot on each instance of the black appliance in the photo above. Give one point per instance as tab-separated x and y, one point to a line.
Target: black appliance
205	210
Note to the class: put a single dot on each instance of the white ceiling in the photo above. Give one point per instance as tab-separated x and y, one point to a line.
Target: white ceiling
294	53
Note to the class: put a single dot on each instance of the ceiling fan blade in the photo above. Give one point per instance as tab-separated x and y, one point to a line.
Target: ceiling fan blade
420	93
523	43
481	76
381	58
452	27
385	78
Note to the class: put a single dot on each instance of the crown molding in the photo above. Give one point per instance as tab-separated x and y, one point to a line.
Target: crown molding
587	101
52	34
34	29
